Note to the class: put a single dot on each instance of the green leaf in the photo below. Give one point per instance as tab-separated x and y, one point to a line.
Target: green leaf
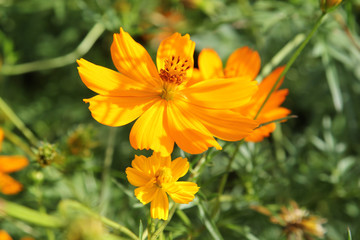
209	223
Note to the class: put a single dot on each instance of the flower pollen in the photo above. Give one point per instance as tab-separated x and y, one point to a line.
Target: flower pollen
164	175
173	74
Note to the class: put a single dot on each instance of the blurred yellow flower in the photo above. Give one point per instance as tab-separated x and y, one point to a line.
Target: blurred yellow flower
298	224
155	176
246	62
169	106
9	164
4	235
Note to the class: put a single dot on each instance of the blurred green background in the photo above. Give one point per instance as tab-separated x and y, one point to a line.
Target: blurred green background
313	159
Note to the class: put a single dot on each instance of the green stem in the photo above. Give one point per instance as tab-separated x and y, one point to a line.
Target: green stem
165	223
29	215
224	179
9	113
291	61
19	142
69	58
105	185
65	205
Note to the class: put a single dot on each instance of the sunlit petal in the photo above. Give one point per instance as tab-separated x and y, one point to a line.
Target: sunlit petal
146	194
160	205
210	64
108	82
118	111
224	124
179	167
243	62
151	132
188	133
221	93
182	192
176	46
132	60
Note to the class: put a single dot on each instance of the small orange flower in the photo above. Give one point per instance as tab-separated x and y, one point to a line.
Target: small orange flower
9	164
155	176
168	106
246	62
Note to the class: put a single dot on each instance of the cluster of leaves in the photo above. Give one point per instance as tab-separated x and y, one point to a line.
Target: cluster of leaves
312	159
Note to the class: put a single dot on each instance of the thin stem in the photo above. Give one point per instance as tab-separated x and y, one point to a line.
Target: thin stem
19	142
224	178
68	204
29	215
105	185
165	223
69	58
9	113
291	61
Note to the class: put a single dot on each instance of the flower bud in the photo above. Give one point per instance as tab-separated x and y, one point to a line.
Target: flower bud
329	5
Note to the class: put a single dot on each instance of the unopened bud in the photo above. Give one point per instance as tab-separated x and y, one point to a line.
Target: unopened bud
47	154
329	5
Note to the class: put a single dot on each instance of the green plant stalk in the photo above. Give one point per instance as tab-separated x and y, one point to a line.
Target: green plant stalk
66	204
9	113
19	142
165	223
224	179
291	62
89	40
29	215
105	184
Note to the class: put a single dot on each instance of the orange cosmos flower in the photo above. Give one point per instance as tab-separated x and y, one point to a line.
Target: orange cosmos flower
9	164
155	176
169	107
246	62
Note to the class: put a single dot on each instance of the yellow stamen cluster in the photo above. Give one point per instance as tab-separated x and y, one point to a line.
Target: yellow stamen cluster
174	70
164	175
173	74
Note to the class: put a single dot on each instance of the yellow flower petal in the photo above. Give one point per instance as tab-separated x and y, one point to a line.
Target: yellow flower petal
146	194
136	177
182	192
224	124
210	64
221	93
160	206
132	60
8	185
4	235
260	133
108	82
177	46
266	85
118	111
12	163
188	133
179	167
150	130
243	62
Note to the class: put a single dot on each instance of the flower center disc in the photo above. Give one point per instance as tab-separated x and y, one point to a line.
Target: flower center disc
173	74
164	175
